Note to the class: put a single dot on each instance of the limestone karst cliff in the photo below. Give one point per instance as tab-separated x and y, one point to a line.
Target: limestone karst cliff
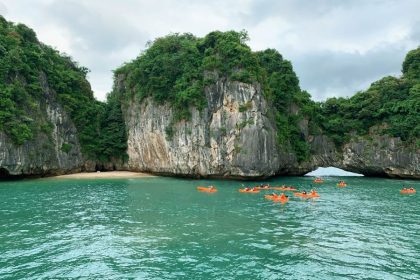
45	153
197	107
263	125
200	118
50	123
218	141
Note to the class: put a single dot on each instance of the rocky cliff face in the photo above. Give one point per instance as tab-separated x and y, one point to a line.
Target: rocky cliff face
44	155
378	156
45	127
232	137
381	156
235	136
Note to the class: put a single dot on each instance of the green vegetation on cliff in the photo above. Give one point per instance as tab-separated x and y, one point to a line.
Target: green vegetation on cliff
113	134
281	87
173	68
30	74
391	104
18	86
178	67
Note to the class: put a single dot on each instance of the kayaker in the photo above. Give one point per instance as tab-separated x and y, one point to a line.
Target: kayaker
313	192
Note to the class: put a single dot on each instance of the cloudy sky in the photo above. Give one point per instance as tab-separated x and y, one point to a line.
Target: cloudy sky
336	47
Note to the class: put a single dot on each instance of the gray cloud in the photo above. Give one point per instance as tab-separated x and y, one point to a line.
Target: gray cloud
415	33
336	47
98	39
341	74
339	47
302	10
98	32
3	9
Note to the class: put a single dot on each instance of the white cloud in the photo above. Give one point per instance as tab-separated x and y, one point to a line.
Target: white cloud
336	47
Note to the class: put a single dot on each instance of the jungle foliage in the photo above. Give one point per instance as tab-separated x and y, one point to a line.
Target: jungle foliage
178	67
390	104
31	73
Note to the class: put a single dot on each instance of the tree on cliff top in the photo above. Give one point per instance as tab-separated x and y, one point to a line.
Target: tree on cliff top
391	103
177	68
25	66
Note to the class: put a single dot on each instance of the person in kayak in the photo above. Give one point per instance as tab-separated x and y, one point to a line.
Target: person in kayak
313	192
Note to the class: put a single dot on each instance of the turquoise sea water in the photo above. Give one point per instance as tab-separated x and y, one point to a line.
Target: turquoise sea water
162	228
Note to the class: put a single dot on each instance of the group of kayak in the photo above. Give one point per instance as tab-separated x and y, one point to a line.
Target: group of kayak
284	198
340	184
256	189
407	191
274	196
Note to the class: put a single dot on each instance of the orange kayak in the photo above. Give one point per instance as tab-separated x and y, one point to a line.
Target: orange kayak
264	188
271	197
307	195
277	198
282	200
341	185
407	191
205	189
300	194
318	181
283	188
250	191
314	195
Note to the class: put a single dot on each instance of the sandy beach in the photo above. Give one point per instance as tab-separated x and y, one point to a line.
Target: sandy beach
107	174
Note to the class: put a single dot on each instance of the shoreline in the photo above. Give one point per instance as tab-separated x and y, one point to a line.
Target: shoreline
104	175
